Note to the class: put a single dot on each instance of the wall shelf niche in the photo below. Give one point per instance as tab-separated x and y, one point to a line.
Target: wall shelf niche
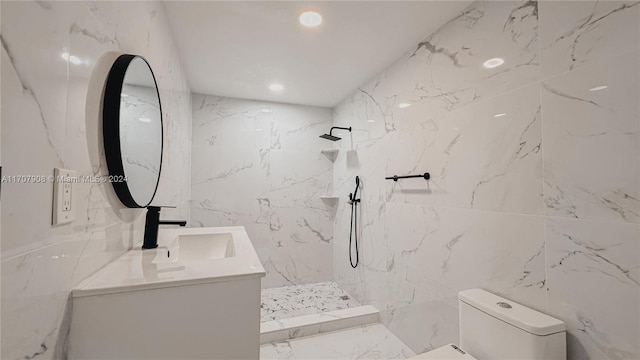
329	200
330	154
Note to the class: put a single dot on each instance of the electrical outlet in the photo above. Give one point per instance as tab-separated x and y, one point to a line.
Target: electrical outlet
63	209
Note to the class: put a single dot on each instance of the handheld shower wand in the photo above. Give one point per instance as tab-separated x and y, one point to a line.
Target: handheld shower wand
353	231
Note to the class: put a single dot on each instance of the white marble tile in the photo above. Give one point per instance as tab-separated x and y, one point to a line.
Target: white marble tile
276	351
34	99
592	140
230	152
446	74
366	342
446	70
367	282
483	156
294	243
427	254
300	226
32	303
36	284
324	317
296	264
53	106
296	127
594	286
256	218
298	177
96	204
233	180
576	33
306	325
290	301
507	149
258	164
424	325
366	159
226	122
436	252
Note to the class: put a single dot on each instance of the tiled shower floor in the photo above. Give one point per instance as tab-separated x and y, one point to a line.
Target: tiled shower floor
298	300
371	341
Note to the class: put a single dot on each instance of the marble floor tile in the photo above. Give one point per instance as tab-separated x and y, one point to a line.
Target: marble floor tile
290	301
365	342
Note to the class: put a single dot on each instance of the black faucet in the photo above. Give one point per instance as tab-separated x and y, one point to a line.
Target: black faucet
151	227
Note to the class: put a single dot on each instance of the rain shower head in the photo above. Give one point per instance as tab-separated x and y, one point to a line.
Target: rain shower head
331	137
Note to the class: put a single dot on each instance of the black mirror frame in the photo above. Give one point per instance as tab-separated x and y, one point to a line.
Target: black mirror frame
111	129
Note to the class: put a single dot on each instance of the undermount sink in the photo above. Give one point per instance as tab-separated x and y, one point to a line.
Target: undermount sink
194	247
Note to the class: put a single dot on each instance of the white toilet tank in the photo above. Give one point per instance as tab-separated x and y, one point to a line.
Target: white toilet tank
494	328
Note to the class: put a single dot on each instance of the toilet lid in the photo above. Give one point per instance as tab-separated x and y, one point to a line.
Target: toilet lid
447	352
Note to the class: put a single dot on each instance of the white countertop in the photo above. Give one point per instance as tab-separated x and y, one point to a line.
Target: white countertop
169	265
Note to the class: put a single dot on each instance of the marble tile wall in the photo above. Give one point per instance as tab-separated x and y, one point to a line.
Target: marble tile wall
259	164
50	118
535	185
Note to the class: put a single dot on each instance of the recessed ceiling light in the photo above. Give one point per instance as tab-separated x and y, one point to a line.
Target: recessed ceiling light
371	121
276	87
403	105
144	119
266	110
598	88
493	63
123	95
310	19
500	115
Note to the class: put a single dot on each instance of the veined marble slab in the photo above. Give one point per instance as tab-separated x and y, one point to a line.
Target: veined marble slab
51	108
534	190
269	179
299	326
365	342
594	286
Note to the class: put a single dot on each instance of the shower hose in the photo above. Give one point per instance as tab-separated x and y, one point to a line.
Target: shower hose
353	231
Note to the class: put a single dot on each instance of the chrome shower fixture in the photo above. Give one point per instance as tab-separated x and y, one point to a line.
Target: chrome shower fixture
334	138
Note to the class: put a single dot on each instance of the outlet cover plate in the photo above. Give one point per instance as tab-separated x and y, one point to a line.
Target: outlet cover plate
63	196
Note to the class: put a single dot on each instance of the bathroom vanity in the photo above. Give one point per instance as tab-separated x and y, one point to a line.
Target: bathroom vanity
189	293
196	296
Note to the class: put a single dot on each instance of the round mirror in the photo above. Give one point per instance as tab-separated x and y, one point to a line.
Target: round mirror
132	130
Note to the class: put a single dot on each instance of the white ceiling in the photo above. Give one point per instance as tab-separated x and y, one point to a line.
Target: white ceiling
238	48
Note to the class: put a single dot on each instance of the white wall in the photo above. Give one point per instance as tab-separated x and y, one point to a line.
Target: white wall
50	118
540	205
258	164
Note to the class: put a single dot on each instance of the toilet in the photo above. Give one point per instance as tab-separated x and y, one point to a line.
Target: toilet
492	327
